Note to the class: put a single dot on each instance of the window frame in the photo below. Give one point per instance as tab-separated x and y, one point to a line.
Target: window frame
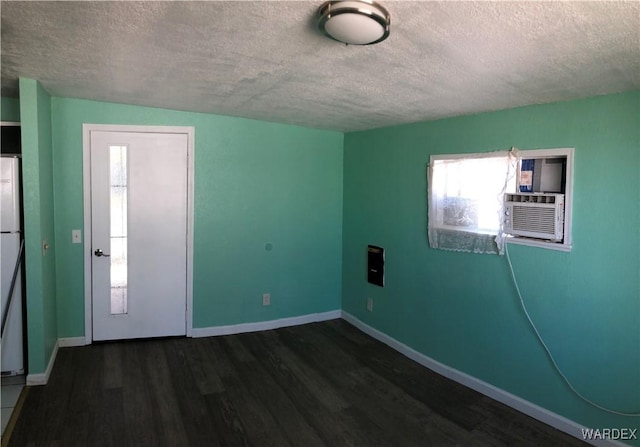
565	152
566	243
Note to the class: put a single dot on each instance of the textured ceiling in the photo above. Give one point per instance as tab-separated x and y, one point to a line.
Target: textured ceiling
266	60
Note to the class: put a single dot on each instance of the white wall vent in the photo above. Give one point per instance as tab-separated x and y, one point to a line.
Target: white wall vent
534	215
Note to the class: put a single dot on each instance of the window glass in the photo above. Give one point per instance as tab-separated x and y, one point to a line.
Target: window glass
466	195
118	249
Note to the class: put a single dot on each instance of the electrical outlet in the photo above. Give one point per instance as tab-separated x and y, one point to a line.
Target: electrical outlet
266	299
370	304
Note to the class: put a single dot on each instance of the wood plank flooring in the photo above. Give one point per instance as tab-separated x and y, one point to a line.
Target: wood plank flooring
322	384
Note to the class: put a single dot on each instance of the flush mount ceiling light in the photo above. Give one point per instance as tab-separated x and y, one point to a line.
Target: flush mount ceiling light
357	22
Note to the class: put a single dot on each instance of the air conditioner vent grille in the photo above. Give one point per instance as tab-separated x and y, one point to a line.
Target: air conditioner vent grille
534	219
539	216
531	198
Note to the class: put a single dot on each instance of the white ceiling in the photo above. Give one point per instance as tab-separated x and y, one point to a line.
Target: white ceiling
267	60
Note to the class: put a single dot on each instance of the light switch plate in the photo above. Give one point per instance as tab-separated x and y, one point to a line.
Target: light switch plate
76	236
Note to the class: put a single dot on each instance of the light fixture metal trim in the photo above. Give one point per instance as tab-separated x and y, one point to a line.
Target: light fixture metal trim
366	8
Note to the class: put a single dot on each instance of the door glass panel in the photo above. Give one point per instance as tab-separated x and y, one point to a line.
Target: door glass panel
118	204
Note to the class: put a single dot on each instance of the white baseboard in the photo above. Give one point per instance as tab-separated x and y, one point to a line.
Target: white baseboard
265	325
548	417
71	342
43	378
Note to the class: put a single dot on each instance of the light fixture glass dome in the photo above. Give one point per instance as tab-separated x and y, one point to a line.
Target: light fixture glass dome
358	22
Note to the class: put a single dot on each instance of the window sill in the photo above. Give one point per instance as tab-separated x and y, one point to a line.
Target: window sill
540	244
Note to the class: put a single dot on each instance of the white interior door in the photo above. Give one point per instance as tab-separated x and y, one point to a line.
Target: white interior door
138	234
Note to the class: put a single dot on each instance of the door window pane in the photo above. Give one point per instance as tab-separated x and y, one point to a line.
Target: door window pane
118	248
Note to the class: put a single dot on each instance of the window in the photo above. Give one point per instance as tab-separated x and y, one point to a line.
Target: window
118	248
465	200
466	196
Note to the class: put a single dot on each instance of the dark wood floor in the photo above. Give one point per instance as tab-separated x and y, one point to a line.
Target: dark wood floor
319	384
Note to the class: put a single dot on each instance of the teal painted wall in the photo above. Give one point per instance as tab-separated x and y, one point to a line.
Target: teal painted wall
260	183
10	109
37	171
461	309
256	183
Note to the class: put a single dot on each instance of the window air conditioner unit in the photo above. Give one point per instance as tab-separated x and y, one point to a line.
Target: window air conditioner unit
534	215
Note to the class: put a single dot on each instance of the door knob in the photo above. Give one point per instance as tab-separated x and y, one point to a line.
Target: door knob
99	253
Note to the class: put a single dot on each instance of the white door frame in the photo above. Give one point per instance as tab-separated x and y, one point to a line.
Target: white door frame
86	183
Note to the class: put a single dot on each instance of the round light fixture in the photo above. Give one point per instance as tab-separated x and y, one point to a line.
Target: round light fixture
357	22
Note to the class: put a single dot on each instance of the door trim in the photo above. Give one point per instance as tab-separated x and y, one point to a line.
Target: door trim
86	184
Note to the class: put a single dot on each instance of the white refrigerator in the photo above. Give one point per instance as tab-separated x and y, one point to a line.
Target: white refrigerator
10	205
